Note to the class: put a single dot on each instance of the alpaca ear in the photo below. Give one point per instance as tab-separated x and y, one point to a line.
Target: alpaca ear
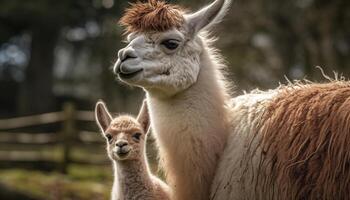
102	116
206	17
143	116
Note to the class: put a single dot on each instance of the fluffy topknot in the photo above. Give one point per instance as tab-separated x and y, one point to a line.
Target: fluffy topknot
154	15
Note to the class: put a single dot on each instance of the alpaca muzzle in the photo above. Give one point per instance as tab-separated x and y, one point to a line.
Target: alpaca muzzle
122	149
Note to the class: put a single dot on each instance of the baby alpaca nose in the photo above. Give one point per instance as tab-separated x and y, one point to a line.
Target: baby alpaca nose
121	144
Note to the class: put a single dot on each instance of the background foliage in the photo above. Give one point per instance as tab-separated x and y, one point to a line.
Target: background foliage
53	51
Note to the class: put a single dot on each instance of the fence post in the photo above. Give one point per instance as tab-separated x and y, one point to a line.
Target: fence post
69	130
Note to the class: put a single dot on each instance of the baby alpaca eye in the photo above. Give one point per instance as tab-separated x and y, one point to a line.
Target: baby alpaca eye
170	44
136	136
109	137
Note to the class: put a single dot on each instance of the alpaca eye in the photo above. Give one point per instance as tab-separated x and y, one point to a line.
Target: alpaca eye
137	136
109	137
170	44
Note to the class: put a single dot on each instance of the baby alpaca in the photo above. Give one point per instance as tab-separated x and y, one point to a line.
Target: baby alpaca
126	138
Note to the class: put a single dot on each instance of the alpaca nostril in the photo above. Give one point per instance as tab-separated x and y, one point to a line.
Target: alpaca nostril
127	57
121	144
126	54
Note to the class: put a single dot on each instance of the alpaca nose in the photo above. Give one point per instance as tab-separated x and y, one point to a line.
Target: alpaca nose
123	55
121	144
127	53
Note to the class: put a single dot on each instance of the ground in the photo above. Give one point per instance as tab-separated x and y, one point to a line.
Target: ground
81	183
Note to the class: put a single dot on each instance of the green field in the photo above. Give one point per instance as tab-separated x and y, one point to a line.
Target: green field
81	183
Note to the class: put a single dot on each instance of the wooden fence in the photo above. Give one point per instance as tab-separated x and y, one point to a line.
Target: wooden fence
54	150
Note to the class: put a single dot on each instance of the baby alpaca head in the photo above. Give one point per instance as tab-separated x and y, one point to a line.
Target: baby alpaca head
125	135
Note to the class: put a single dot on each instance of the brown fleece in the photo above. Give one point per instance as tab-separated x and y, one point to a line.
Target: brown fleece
154	15
306	141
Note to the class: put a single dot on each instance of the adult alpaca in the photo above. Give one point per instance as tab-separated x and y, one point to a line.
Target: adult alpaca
185	89
278	139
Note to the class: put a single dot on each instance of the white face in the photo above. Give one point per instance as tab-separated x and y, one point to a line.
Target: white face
164	63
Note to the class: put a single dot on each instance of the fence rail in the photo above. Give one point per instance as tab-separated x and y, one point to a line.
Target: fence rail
51	150
21	122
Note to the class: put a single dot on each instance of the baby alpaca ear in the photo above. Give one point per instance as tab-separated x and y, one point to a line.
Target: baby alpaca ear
207	16
102	116
143	116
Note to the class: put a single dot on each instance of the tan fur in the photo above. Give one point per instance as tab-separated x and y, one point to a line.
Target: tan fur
154	15
132	177
306	142
135	180
125	123
237	172
288	143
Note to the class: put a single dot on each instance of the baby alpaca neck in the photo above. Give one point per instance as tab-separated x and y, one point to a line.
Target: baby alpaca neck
132	180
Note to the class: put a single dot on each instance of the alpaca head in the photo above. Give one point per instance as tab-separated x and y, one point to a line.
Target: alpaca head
164	48
125	135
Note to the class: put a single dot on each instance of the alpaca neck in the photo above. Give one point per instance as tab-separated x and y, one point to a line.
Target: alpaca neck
191	130
131	179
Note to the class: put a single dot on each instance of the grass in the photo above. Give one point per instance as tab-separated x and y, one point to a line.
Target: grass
81	183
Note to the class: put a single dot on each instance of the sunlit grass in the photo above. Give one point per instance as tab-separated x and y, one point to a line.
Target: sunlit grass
81	183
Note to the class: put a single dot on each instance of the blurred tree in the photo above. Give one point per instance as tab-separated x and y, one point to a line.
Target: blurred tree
44	20
261	40
265	40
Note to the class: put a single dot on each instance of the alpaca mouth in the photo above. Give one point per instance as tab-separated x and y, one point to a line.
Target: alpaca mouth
122	153
128	75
